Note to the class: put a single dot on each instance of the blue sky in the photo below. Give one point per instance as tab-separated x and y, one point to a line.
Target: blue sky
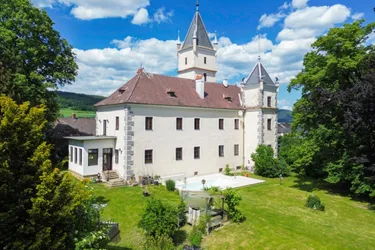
113	37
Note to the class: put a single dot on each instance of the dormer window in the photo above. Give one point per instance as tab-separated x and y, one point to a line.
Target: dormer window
121	91
228	98
171	94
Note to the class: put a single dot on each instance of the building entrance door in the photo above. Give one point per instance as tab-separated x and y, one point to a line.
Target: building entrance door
107	159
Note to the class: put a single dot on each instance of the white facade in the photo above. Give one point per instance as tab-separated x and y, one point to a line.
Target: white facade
200	62
79	154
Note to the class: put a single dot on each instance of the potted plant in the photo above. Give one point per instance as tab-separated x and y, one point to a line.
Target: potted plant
156	180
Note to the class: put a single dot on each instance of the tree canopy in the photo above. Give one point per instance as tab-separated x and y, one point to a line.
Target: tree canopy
33	56
334	120
40	208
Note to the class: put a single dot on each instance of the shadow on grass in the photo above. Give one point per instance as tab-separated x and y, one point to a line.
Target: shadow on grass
179	237
101	200
118	248
310	184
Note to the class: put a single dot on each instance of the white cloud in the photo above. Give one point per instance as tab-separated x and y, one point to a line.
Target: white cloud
161	16
96	9
321	17
357	16
284	104
43	3
371	39
141	17
101	71
299	4
292	34
269	20
284	6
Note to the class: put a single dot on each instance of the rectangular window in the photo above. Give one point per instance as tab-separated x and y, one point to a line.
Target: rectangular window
221	150
236	123
80	156
269	121
148	156
148	123
205	60
269	101
197	152
236	149
178	154
71	154
221	123
185	60
93	157
196	123
75	156
116	156
117	123
179	123
104	127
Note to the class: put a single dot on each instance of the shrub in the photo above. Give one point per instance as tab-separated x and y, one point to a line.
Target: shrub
95	240
227	170
160	242
195	237
232	200
170	185
371	207
314	202
181	213
265	163
159	219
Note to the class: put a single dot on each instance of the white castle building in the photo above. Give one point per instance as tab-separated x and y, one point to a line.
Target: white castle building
180	126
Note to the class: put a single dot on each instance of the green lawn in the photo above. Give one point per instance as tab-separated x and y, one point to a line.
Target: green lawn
67	112
276	218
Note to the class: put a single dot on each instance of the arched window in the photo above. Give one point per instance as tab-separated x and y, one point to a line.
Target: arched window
205	77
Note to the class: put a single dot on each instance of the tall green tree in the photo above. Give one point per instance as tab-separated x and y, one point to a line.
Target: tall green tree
40	208
335	67
34	55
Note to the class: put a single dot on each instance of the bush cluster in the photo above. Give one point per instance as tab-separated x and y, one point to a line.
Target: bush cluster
266	164
232	200
95	240
159	219
314	202
158	242
170	185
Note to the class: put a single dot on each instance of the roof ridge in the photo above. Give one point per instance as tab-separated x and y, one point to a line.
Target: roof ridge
135	85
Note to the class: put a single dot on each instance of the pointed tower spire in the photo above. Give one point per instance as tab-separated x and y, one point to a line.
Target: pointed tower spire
178	38
178	41
259	58
215	40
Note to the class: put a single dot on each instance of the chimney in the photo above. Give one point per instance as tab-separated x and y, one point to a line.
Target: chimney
199	86
73	116
225	83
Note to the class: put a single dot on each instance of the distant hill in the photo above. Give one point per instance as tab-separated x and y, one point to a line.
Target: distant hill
74	101
285	115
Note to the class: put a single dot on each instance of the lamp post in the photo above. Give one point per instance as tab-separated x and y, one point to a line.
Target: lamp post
203	182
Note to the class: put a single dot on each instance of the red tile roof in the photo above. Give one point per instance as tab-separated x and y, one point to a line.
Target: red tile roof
147	88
